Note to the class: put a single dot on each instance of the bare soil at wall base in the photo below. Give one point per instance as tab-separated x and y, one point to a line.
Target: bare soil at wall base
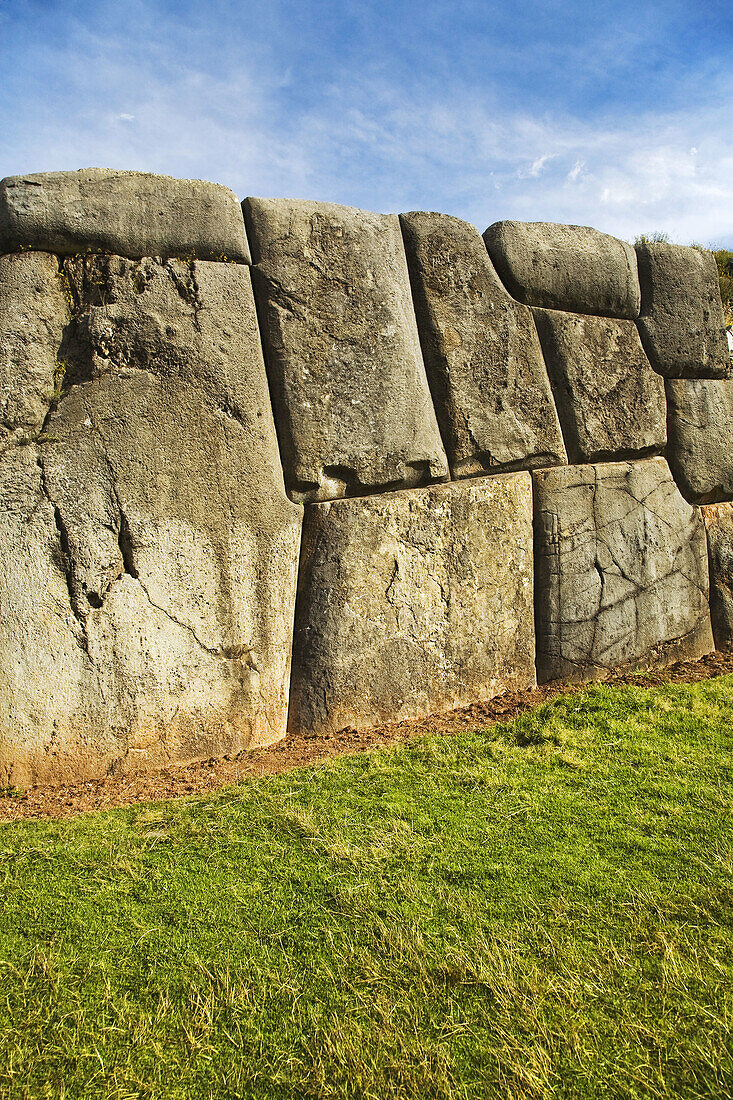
300	751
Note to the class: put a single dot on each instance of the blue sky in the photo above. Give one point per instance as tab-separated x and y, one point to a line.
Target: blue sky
617	115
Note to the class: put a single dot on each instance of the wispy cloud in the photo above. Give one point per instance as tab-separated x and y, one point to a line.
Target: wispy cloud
670	171
535	167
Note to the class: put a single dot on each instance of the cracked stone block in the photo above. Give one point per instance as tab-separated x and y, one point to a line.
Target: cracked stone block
151	550
131	214
681	322
700	425
718	519
351	397
611	402
45	676
413	602
568	267
484	362
34	312
621	573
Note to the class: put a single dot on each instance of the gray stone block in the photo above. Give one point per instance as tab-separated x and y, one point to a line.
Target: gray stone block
621	570
681	322
568	267
700	425
718	519
481	351
413	602
34	312
351	396
149	550
132	214
611	402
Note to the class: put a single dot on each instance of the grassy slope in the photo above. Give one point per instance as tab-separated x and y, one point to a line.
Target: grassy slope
542	911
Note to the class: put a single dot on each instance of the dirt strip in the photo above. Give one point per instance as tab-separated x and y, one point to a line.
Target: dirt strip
297	752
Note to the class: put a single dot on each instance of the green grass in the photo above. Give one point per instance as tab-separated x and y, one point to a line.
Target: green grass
543	910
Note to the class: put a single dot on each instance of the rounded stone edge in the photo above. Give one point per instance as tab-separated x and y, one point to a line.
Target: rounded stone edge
48	222
507	240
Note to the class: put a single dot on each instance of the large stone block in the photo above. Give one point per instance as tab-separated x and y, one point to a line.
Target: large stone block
351	396
700	425
34	312
611	402
568	267
129	213
481	351
621	570
681	322
718	519
149	550
413	602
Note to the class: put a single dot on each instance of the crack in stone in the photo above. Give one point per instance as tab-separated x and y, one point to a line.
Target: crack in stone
243	653
125	542
392	579
191	294
66	561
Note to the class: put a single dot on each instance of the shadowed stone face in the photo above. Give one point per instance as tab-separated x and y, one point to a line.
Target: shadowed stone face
351	397
700	425
484	362
413	602
149	599
681	322
611	403
567	267
621	569
718	520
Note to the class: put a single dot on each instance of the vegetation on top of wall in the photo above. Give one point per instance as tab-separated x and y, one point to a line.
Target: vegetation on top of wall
657	237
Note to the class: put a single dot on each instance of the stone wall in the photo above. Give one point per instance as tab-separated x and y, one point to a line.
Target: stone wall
295	465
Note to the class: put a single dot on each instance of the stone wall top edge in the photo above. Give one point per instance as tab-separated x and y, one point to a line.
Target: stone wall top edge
568	470
445	487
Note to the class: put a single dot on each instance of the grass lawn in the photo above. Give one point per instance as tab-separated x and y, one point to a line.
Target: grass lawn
541	910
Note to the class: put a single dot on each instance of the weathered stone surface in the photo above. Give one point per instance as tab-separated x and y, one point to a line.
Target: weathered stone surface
700	425
718	519
611	402
352	402
150	551
413	602
130	213
34	311
567	267
489	383
621	570
681	322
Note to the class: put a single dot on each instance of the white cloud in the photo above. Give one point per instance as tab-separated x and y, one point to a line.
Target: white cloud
535	167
